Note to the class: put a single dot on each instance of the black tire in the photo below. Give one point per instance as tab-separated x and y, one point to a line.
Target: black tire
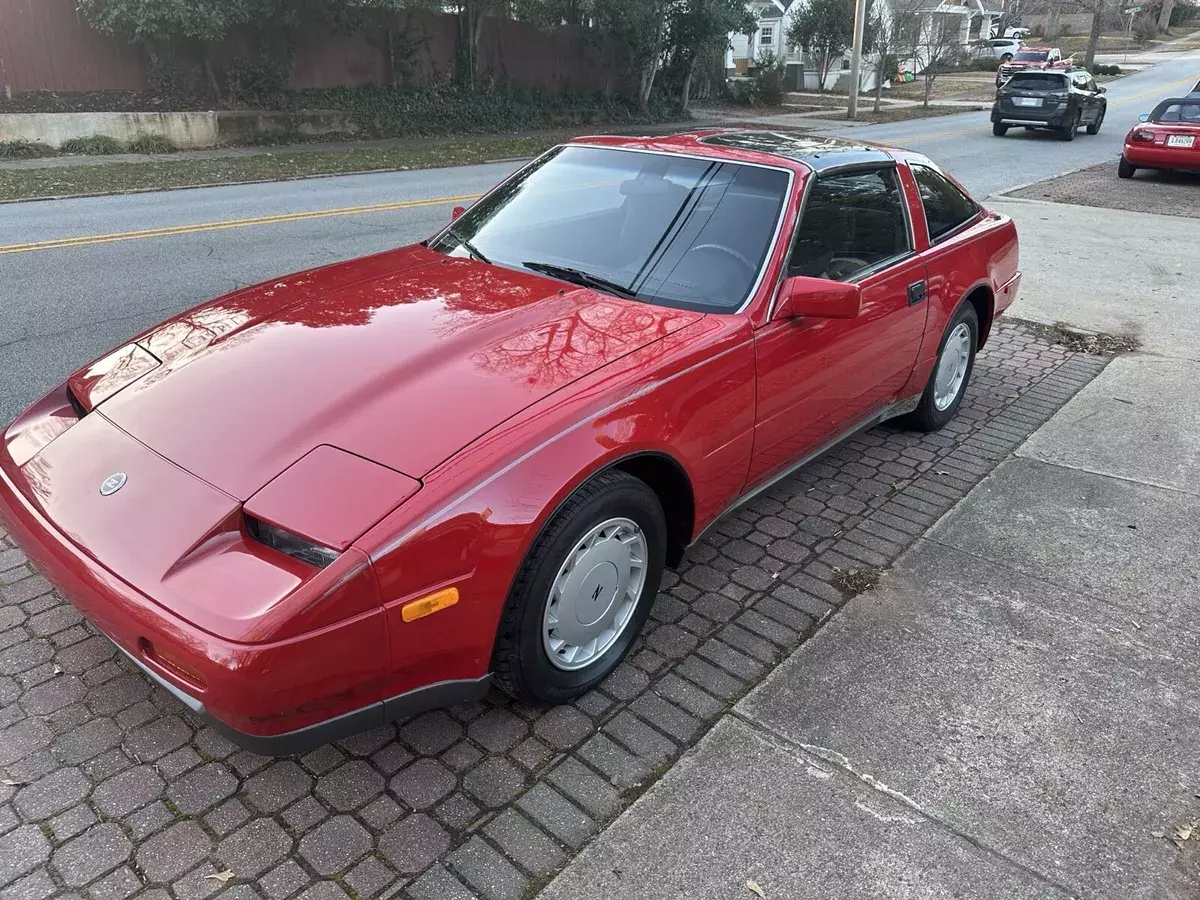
520	666
1094	128
1124	169
1005	58
1068	132
927	417
999	129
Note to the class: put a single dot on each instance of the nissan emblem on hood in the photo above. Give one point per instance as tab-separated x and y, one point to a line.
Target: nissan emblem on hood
113	483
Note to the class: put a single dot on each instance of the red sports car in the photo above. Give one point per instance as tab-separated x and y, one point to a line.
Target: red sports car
348	495
1167	138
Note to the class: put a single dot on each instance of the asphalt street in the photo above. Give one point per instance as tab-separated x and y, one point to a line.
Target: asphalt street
79	276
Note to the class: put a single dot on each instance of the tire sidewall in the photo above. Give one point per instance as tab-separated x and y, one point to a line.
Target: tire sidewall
936	417
547	682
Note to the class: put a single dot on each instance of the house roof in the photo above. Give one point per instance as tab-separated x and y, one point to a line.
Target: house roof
988	8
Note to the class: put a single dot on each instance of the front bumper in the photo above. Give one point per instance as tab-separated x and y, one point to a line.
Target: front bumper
272	698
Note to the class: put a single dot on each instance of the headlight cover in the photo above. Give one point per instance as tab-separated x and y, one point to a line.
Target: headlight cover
291	544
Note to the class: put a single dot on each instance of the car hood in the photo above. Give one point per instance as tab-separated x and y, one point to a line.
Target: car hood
402	358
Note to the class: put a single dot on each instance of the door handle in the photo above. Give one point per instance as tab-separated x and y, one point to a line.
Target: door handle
916	293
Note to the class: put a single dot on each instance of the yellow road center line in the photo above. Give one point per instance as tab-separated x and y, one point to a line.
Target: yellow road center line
84	241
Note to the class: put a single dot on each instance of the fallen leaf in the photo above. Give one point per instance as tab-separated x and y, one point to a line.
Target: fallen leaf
223	877
754	888
57	670
1158	834
942	472
10	783
1183	832
1137	625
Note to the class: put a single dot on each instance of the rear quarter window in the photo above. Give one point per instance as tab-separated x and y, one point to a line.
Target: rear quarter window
946	207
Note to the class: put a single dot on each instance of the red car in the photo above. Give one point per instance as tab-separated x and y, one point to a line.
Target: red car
348	495
1168	138
1030	58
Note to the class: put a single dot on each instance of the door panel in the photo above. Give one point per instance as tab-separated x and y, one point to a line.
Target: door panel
818	377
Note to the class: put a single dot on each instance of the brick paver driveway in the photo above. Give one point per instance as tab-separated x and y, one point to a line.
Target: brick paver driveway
109	789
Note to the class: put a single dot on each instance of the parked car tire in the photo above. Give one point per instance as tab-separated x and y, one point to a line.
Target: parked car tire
1068	132
1005	58
1124	169
1094	128
951	372
999	130
589	551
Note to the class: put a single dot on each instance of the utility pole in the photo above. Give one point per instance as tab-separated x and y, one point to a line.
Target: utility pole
860	24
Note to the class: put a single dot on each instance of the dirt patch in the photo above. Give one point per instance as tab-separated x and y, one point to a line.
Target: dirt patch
1164	193
853	582
1096	343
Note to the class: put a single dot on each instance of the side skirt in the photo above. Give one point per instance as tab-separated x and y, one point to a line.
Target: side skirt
899	408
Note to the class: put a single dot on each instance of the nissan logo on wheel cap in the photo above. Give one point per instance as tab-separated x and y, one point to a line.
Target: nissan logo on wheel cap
113	483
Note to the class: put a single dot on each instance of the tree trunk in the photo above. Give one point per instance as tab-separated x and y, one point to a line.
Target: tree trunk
476	35
1164	17
879	69
1094	38
209	74
1052	24
928	88
685	92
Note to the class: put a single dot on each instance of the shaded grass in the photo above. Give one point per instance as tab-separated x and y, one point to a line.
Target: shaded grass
22	149
145	142
94	145
26	184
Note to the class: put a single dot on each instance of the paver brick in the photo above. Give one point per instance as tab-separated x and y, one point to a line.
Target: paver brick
350	786
75	820
48	796
22	850
335	845
413	843
172	852
130	790
593	793
524	842
557	815
277	786
620	766
202	788
91	854
494	782
498	730
640	737
254	848
563	727
494	877
423	783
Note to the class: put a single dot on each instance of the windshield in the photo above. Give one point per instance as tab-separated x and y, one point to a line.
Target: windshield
1186	112
1030	56
683	232
1037	81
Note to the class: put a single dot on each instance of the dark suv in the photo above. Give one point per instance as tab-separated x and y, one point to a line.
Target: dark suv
1059	99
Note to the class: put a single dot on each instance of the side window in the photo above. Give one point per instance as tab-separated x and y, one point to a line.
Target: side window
946	207
851	222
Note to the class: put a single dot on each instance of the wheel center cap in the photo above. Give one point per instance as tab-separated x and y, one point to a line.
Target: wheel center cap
596	593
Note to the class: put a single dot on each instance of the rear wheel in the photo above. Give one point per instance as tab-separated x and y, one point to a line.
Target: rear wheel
1068	132
999	129
1124	169
1094	128
583	592
951	373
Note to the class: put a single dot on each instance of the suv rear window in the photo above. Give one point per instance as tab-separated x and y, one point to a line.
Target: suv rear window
1031	56
1038	81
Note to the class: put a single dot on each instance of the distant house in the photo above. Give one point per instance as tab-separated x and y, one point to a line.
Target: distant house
965	20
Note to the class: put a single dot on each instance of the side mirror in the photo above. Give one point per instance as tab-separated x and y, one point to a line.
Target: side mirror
1102	90
456	212
818	298
1144	117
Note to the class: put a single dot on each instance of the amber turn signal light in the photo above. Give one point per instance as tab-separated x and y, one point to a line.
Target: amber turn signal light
418	609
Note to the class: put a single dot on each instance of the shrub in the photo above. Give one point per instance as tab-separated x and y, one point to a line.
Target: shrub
96	145
147	142
445	107
1145	29
22	149
1101	69
769	79
985	65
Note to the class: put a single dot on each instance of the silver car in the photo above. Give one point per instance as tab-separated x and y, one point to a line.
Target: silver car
1001	49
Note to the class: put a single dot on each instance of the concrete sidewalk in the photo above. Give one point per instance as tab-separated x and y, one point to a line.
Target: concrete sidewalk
1013	712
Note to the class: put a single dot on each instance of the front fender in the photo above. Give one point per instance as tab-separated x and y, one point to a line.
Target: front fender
688	397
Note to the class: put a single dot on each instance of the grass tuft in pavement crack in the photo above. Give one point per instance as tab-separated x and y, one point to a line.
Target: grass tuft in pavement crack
853	582
115	178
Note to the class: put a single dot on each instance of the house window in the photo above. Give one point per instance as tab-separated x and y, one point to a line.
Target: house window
766	36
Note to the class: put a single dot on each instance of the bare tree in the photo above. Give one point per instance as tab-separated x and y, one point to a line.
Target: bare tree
930	40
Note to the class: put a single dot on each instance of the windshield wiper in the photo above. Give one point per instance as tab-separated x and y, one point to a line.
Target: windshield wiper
580	277
468	246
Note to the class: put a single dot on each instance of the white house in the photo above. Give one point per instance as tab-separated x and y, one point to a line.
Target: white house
966	19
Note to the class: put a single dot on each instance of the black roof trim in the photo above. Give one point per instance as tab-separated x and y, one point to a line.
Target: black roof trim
816	153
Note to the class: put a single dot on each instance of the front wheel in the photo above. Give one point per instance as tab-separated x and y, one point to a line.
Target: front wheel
999	129
1124	169
951	372
1094	128
583	592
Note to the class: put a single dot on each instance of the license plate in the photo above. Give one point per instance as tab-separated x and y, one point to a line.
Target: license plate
1181	140
1027	101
